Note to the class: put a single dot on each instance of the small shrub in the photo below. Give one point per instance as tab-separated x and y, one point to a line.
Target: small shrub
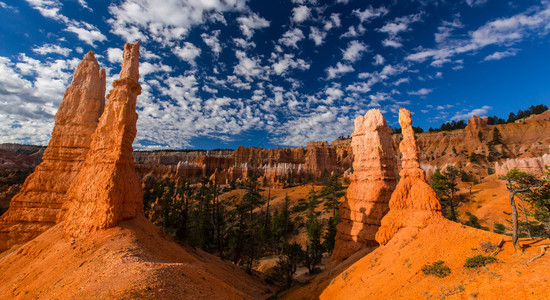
499	228
479	261
438	269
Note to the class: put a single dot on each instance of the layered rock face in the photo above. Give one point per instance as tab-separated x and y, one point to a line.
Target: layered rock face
372	183
413	203
34	209
106	190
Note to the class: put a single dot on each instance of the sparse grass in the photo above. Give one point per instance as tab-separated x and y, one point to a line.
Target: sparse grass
438	269
487	246
479	261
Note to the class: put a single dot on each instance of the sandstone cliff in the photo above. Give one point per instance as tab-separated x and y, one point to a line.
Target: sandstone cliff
106	190
372	183
34	209
413	203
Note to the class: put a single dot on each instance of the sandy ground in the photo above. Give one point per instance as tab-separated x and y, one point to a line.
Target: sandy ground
394	271
132	260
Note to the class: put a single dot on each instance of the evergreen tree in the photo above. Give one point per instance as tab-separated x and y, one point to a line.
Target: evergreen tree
497	136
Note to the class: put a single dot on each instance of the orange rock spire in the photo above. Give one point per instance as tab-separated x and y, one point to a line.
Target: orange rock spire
414	202
372	183
33	210
107	190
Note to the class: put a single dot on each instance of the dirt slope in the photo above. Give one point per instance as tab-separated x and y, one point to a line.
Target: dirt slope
394	270
132	260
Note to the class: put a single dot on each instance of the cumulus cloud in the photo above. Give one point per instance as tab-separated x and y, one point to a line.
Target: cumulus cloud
468	114
292	37
354	51
114	55
213	41
86	32
318	36
378	60
250	23
136	19
500	32
421	92
286	62
51	48
301	13
370	13
188	52
338	70
498	55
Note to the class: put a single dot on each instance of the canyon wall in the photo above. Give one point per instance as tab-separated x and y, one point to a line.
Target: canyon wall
34	209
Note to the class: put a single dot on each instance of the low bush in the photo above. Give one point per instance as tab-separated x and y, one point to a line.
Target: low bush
438	269
479	261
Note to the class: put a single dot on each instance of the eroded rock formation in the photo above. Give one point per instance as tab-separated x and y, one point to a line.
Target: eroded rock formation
413	203
34	209
106	190
372	183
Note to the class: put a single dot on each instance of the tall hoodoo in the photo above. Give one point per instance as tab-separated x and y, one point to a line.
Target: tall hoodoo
33	210
106	190
372	183
413	203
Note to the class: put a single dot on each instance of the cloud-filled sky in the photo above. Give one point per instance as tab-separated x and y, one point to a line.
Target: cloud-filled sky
223	73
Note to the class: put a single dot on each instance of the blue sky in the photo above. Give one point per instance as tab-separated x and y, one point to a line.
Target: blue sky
223	73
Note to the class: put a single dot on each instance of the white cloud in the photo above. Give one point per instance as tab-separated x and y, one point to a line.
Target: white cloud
292	37
370	13
188	52
354	51
287	62
86	32
248	67
114	55
134	19
333	22
501	32
394	43
420	92
476	2
378	60
250	23
468	114
317	35
301	13
500	55
338	70
51	48
49	9
212	41
84	5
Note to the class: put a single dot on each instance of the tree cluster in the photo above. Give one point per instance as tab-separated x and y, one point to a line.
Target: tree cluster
244	229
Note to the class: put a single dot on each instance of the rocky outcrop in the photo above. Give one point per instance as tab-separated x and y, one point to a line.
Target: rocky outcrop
533	165
106	190
476	124
413	203
372	183
34	209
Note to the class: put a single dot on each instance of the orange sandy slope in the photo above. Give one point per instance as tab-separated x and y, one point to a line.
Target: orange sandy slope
394	270
132	260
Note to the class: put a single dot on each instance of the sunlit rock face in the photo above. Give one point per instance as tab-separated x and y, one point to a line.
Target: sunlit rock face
33	210
106	191
372	183
413	203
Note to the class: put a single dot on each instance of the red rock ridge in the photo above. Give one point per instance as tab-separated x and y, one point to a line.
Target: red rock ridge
34	209
106	190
